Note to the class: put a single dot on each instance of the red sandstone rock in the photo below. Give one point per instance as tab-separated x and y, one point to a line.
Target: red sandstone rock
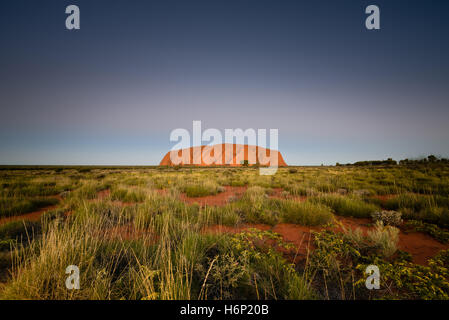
239	154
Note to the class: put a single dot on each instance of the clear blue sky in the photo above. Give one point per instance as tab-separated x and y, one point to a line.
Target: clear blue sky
112	92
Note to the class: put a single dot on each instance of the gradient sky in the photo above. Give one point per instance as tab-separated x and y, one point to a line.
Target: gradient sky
112	92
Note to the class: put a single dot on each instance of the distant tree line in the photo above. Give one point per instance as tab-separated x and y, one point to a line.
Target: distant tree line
429	159
390	162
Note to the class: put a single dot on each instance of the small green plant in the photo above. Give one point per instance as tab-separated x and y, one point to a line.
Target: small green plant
410	281
431	229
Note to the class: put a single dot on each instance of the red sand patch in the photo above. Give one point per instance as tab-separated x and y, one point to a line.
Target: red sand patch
354	223
419	245
219	199
300	236
276	193
162	192
32	216
103	194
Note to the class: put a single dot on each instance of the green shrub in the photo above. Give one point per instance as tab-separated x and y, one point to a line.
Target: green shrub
430	229
305	213
221	215
242	268
255	207
410	281
128	194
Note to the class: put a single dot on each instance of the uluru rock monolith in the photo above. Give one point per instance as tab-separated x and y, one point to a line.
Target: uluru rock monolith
224	154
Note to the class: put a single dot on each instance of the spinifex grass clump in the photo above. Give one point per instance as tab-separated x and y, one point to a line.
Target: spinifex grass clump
202	189
347	206
128	194
226	215
407	200
255	207
44	185
88	190
43	264
428	208
306	213
385	238
110	269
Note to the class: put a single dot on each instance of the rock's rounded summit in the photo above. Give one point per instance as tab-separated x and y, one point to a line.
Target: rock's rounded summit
230	154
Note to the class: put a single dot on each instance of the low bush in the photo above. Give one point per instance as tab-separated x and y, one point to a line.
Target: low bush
242	267
385	238
387	217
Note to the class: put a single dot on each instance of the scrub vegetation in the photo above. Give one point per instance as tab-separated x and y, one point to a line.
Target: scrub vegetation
223	232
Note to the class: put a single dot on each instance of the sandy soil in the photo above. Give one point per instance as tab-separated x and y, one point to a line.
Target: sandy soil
31	216
220	199
103	194
419	245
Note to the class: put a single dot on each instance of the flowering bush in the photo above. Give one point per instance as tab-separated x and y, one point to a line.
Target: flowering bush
389	218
